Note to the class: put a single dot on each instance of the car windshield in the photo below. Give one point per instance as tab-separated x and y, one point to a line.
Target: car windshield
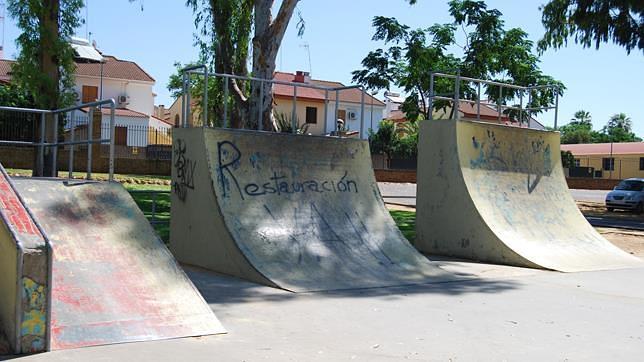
630	185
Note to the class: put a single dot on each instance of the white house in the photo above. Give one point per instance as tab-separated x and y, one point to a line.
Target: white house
100	76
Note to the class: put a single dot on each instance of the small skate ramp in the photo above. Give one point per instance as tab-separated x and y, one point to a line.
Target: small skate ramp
301	213
498	194
112	279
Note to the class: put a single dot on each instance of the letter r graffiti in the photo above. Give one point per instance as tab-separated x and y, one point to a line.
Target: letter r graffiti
228	156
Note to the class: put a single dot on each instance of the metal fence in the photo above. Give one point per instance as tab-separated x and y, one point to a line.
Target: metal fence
140	142
28	127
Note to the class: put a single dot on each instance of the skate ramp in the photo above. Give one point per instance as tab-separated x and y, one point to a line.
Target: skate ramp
112	279
301	213
498	194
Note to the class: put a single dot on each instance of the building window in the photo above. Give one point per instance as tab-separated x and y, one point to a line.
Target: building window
311	115
577	162
608	164
90	94
176	120
120	136
641	163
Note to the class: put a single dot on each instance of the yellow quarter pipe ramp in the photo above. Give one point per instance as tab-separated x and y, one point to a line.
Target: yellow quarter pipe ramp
498	194
297	212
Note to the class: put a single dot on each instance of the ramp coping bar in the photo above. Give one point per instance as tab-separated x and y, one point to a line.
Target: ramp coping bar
50	257
42	144
202	69
456	96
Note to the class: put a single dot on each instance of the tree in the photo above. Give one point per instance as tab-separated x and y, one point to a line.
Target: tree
618	129
573	133
593	21
567	159
489	52
225	28
620	120
386	140
582	117
579	130
45	64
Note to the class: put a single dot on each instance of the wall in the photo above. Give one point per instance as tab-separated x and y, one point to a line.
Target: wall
399	176
15	157
136	133
286	106
175	111
591	183
141	95
354	125
625	165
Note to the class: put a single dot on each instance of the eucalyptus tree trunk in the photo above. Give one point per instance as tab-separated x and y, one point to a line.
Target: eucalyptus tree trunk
269	34
48	62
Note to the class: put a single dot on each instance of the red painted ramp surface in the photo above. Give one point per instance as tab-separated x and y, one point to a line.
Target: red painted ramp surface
113	279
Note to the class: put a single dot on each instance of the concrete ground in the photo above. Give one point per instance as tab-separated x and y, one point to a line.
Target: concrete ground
492	313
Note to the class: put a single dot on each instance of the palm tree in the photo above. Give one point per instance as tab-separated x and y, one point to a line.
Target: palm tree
582	117
620	120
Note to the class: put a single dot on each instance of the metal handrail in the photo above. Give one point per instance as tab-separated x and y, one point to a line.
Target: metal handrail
89	141
500	107
194	70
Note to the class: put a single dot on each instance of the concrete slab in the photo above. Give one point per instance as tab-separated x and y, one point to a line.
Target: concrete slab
498	194
297	212
529	315
112	279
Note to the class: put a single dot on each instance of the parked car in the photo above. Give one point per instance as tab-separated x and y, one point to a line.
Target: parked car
627	195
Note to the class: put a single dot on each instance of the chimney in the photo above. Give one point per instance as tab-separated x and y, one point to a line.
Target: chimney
302	77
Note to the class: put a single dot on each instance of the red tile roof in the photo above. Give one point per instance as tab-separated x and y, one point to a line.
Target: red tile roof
487	112
166	121
5	70
112	68
286	91
350	96
397	115
625	148
121	112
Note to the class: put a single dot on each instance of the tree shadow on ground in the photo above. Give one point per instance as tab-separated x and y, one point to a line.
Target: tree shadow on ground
223	289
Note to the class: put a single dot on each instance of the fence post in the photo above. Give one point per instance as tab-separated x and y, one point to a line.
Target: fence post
294	111
41	152
154	206
90	133
70	154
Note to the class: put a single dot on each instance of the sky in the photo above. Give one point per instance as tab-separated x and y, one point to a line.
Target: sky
338	34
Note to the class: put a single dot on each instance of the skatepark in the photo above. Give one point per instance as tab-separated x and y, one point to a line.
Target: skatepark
281	248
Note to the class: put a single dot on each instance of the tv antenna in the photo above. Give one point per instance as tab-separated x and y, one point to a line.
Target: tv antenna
3	9
306	46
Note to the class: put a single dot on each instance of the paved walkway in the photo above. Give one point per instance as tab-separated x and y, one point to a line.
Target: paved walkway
493	313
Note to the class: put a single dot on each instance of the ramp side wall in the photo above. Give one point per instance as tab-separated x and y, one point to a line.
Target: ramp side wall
448	222
24	274
198	235
8	284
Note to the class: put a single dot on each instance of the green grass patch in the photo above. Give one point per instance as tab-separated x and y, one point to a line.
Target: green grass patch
406	222
162	208
124	178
